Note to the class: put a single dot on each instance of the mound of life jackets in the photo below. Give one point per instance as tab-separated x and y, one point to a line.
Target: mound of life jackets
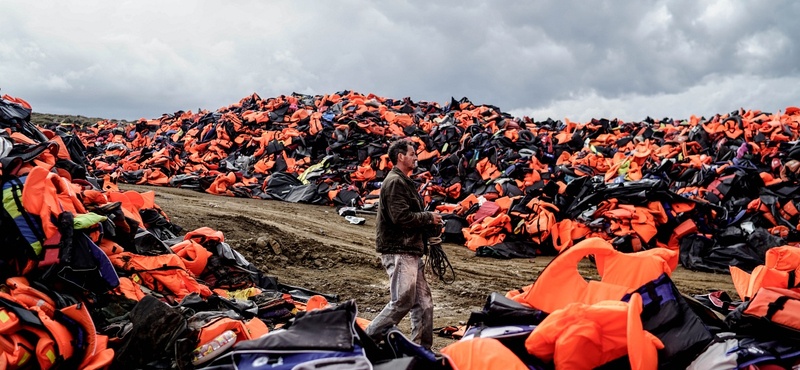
714	194
92	277
722	189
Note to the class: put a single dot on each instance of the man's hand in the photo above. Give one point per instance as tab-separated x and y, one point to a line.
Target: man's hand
437	217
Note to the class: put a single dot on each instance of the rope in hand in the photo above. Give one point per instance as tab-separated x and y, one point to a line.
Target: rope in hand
437	260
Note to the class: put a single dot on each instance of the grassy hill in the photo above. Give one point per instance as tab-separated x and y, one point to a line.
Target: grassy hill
44	118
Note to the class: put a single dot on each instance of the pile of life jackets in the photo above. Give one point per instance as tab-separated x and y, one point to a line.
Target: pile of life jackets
722	189
634	317
93	277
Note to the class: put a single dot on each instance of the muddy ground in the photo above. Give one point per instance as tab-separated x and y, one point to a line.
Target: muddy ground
319	250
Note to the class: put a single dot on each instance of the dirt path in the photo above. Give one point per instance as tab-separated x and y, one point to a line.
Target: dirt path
319	250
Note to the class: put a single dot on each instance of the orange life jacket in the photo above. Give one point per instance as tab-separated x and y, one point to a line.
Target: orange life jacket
15	351
685	228
639	219
245	330
129	289
480	354
487	232
62	346
109	247
364	172
540	222
465	204
48	195
487	169
30	297
221	184
204	235
54	341
97	355
781	269
565	231
582	336
19	101
560	284
129	208
194	255
160	272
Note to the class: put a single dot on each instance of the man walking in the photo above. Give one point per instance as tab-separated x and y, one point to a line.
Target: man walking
399	239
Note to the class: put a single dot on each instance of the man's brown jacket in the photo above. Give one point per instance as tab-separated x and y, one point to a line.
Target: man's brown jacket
400	219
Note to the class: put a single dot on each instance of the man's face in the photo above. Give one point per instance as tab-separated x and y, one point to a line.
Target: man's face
408	160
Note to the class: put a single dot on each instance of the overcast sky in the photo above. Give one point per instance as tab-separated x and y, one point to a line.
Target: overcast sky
559	59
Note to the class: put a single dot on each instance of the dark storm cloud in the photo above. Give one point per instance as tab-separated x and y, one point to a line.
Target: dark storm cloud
572	60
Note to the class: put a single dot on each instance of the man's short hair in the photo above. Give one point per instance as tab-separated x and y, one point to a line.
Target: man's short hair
397	147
